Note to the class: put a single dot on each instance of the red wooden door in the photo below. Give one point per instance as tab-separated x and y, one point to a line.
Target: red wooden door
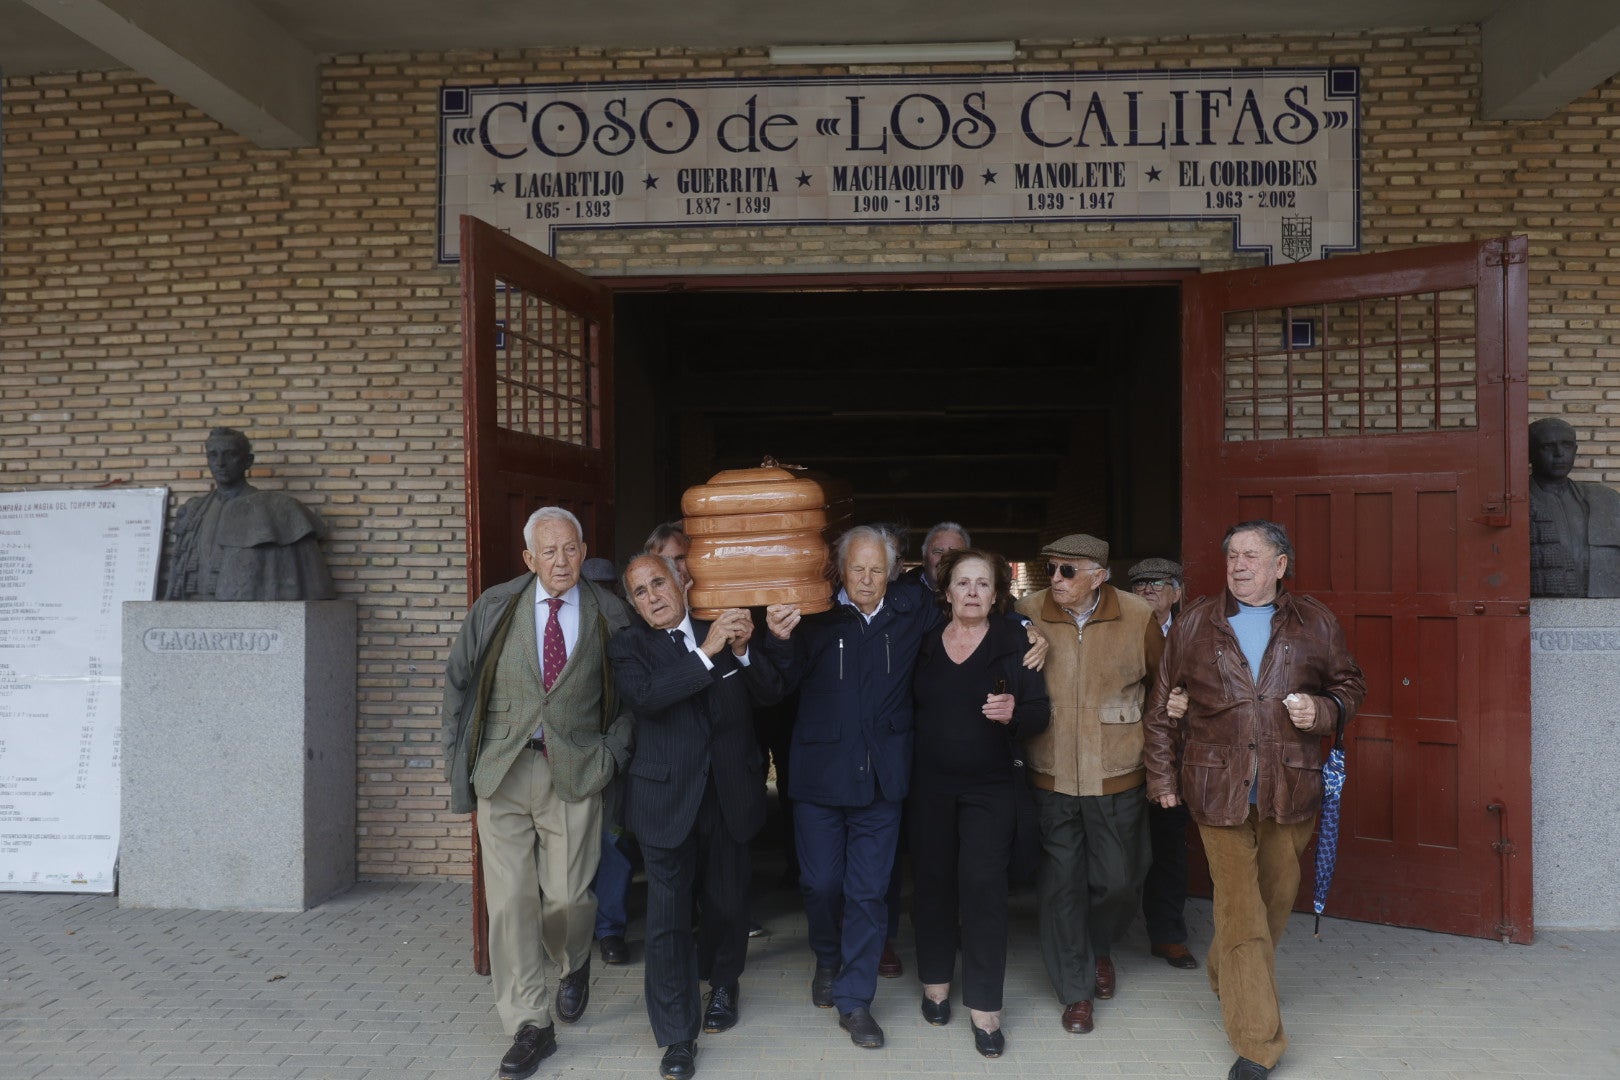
1376	407
537	384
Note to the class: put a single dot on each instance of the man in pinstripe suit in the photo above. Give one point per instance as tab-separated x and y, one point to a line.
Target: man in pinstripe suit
694	797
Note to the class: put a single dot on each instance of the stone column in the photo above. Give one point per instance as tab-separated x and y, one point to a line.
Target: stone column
1575	761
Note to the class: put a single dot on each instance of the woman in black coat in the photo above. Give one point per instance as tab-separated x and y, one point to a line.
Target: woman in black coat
975	704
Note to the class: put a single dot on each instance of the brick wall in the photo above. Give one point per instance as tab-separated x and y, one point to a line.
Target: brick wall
159	275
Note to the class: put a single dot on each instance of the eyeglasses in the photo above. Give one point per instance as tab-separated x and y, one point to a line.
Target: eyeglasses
1068	570
1159	583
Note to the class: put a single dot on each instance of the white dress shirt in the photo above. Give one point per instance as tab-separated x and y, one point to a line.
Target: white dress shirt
843	598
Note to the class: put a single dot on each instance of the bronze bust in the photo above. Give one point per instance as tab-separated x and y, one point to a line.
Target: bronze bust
1574	526
240	543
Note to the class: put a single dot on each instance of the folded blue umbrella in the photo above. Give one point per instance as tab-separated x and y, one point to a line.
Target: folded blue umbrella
1327	829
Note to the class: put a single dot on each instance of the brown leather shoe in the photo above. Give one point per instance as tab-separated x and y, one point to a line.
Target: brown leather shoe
1077	1018
1105	978
1177	956
889	965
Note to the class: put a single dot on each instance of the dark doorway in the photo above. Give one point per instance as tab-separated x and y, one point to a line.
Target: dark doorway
1023	414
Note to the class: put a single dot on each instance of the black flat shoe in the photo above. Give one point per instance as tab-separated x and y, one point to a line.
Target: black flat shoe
937	1013
680	1061
989	1043
614	950
721	1013
863	1030
531	1046
1244	1069
821	987
573	993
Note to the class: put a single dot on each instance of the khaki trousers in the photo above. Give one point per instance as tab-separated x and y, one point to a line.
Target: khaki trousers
539	854
1254	868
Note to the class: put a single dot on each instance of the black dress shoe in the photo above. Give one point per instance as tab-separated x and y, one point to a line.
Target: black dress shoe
863	1030
614	950
937	1013
573	993
680	1061
531	1046
988	1043
721	1012
1177	956
1244	1069
821	985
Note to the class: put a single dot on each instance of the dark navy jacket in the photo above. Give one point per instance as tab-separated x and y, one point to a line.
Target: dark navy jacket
852	738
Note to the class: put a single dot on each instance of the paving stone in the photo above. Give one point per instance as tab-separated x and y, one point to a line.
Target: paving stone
378	984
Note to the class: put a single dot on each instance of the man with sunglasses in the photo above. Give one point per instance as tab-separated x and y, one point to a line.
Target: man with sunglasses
1164	892
1086	768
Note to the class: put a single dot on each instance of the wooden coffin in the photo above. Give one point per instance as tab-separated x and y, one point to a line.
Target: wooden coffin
758	538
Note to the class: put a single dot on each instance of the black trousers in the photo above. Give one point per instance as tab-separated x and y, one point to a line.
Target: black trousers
1094	854
773	729
960	849
713	867
1164	890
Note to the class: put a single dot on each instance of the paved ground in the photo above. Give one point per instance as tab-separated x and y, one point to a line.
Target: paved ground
377	985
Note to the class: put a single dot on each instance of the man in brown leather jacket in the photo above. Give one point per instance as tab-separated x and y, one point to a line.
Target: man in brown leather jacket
1267	675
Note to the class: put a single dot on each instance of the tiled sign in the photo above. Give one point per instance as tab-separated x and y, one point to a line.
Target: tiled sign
1274	151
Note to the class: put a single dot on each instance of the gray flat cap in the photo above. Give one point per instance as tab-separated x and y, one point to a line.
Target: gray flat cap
1079	546
1153	570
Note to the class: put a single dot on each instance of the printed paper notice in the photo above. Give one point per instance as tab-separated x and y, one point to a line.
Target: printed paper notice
68	561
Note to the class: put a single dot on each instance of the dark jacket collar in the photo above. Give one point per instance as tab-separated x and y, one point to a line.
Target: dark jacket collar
895	599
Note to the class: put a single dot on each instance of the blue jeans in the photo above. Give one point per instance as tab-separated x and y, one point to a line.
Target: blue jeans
612	886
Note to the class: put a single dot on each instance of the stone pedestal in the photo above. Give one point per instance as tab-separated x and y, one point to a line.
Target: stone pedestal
238	754
1575	761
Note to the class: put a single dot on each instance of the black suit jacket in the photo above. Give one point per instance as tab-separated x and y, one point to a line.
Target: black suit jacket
691	722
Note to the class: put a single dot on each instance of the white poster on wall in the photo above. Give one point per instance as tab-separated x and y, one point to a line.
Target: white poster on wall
68	561
1273	151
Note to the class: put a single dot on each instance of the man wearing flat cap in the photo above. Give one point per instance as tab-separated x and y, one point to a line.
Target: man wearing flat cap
1158	581
1086	768
1164	891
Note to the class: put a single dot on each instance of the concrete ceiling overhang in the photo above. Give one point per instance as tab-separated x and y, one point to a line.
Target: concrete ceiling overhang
254	64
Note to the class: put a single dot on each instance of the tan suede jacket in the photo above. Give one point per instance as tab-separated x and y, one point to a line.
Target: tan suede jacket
1098	680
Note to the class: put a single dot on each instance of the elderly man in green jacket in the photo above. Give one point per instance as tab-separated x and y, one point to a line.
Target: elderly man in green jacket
532	733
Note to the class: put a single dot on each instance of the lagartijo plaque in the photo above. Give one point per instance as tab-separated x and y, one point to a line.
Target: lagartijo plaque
1273	150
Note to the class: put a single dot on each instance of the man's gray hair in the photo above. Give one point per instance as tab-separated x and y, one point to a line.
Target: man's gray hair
869	533
667	563
945	527
550	513
1271	532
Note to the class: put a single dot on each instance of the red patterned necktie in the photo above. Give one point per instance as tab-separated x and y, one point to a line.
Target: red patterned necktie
553	653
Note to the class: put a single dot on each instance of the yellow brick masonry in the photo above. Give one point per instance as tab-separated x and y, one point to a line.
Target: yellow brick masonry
158	274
